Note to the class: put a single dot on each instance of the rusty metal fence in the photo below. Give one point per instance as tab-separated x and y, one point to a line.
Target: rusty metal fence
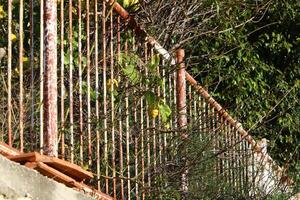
121	103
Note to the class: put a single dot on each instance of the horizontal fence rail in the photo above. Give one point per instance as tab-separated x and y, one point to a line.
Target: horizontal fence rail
117	104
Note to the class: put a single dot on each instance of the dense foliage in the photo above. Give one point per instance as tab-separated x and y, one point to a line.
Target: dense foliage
247	54
254	71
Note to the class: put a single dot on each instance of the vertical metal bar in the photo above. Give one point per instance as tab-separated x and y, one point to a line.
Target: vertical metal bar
162	135
228	176
213	134
50	86
248	161
136	146
165	100
41	75
80	80
237	159
171	99
62	79
135	136
21	52
240	158
236	178
230	154
166	127
104	93
181	107
181	93
97	91
223	122
227	141
201	116
159	124
88	68
232	138
222	146
245	167
120	113
31	133
175	117
218	140
154	132
142	144
9	103
190	102
71	79
112	78
195	110
127	133
148	127
253	173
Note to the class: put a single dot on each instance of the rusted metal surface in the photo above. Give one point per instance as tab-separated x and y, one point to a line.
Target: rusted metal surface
120	112
112	104
104	80
71	98
32	75
182	114
148	129
181	94
62	80
137	134
97	93
119	9
153	133
9	63
127	131
41	78
80	81
50	78
136	150
88	66
142	116
21	55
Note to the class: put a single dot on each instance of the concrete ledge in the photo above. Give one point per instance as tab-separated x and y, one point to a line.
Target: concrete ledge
19	182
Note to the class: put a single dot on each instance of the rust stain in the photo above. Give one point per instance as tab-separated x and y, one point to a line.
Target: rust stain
50	78
181	93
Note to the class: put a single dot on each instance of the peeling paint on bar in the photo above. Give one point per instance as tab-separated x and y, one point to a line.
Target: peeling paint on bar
50	78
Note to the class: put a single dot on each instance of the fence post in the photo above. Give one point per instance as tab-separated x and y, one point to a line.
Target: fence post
50	78
182	115
181	94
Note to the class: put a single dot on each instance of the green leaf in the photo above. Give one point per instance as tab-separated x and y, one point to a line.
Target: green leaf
154	62
93	95
67	58
131	73
150	98
164	111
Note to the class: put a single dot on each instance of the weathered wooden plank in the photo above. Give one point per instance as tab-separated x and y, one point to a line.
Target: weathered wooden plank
7	150
65	167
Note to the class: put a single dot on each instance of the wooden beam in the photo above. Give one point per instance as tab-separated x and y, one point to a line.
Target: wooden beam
63	166
7	150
